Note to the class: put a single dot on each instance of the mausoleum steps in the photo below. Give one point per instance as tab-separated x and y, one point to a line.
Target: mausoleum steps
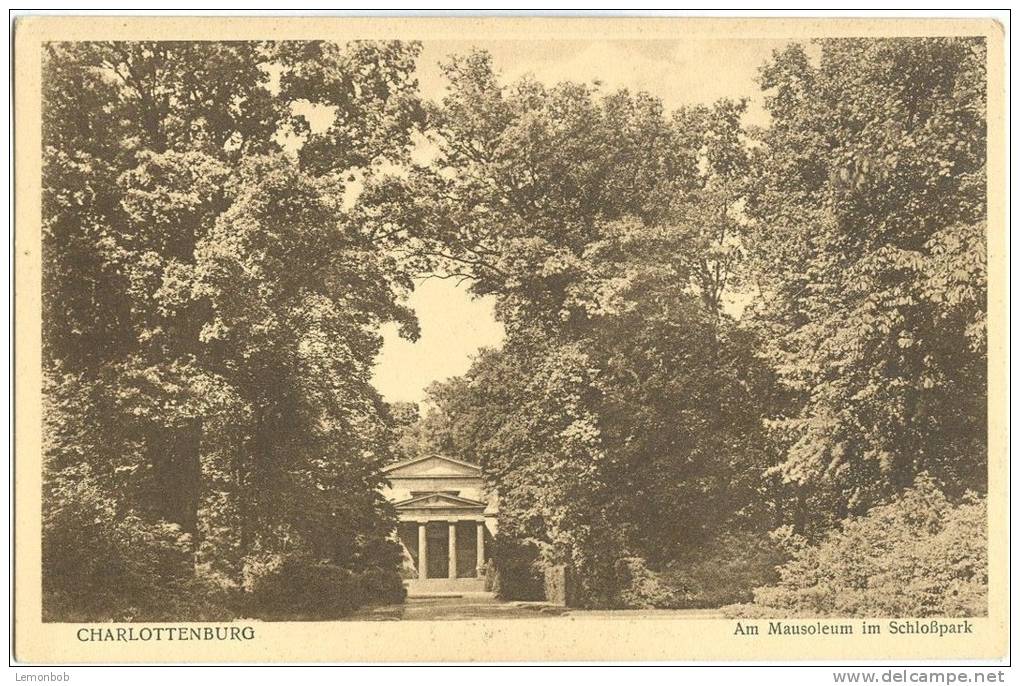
423	587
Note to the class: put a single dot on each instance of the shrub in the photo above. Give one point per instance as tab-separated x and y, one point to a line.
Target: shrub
643	588
297	588
376	585
917	556
518	570
725	571
198	598
103	565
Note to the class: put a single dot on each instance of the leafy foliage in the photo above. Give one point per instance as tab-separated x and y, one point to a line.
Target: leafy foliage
516	569
917	556
867	198
211	313
294	588
625	395
721	341
723	571
630	423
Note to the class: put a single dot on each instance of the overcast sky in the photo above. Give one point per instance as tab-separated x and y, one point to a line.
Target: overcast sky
682	72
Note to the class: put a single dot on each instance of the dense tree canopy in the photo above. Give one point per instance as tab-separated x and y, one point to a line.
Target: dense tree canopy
620	242
721	341
868	201
625	396
211	306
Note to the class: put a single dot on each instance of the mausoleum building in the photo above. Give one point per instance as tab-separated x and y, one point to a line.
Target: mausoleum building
446	522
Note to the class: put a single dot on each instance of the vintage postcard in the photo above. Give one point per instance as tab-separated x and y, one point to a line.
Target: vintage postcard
510	339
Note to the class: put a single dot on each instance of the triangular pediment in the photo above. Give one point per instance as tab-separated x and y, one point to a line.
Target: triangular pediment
432	465
443	501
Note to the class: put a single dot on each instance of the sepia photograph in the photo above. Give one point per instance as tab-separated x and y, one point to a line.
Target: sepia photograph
405	325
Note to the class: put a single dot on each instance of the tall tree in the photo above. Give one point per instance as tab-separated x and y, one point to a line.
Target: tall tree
868	203
624	397
211	301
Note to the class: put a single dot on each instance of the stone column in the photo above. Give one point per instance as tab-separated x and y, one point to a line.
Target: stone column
423	551
453	550
480	549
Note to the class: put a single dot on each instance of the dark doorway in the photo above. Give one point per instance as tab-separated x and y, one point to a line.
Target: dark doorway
439	550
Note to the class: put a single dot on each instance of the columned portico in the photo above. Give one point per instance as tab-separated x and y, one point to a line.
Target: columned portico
441	530
458	543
